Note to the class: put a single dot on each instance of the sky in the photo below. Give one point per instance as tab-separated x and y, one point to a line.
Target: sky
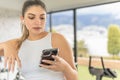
112	9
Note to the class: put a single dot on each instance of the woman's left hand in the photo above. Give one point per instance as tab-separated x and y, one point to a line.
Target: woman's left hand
58	65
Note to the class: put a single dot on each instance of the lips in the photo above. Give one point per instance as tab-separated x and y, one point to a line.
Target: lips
37	28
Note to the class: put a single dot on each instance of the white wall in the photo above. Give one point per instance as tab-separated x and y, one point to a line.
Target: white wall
9	24
9	28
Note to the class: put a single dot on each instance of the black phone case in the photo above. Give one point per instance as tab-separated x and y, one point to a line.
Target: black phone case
47	55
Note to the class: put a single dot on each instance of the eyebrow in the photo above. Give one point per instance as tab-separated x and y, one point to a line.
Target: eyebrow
34	14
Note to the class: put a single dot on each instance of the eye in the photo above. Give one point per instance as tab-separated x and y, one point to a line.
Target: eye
30	17
42	18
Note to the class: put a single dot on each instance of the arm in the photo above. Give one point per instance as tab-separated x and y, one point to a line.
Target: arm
10	54
1	49
66	53
6	44
64	62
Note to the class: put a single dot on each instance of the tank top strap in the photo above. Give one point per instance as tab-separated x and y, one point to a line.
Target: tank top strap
49	38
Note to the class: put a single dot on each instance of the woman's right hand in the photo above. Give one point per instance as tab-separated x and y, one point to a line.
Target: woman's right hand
11	55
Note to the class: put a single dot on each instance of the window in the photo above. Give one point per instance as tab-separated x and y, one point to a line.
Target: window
62	22
92	28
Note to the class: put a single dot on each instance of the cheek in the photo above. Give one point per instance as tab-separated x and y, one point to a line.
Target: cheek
28	24
43	24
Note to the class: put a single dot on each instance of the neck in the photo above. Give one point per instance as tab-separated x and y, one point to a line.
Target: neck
38	36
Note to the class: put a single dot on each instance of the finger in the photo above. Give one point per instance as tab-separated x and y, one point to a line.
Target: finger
48	62
5	61
18	62
13	64
9	64
57	58
46	66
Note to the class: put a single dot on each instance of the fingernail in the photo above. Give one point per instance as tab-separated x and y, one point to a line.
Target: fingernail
4	66
19	66
43	60
40	65
8	70
12	71
53	55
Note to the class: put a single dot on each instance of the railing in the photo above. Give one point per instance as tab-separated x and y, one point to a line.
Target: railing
113	64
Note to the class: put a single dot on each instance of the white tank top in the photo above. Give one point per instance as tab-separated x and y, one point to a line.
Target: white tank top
30	56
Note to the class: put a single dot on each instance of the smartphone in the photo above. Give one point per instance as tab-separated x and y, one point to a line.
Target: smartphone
47	54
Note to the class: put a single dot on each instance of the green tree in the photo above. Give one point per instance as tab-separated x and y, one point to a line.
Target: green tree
114	39
53	30
81	48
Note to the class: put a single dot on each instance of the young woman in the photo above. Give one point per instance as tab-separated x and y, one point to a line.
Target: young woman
28	49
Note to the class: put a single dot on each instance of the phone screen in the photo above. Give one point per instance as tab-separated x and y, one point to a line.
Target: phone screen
47	55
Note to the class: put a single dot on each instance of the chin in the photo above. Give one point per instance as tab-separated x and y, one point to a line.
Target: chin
36	33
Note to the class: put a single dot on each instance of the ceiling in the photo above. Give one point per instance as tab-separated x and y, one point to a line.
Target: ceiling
54	5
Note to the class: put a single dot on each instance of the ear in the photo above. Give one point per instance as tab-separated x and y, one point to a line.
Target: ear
22	18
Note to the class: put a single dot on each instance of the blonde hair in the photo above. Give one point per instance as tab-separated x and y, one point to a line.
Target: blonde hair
25	35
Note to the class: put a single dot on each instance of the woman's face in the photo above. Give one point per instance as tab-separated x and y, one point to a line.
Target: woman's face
35	19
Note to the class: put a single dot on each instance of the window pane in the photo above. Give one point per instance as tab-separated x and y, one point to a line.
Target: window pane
48	23
62	22
92	28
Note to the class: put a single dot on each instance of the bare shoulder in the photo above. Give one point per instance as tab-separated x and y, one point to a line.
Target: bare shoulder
11	42
56	34
65	50
1	46
58	37
58	40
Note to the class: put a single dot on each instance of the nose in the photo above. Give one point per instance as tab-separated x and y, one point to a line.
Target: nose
38	21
